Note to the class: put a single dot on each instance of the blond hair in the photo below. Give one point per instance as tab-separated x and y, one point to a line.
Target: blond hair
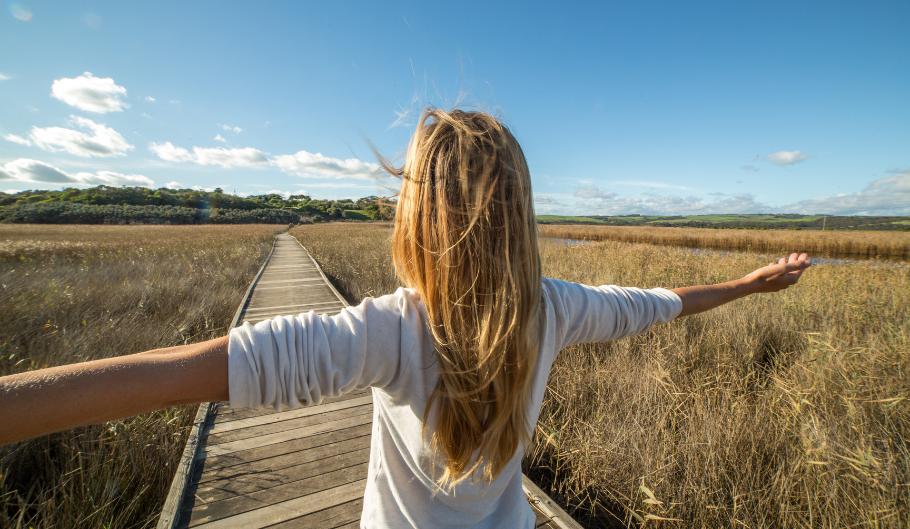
466	240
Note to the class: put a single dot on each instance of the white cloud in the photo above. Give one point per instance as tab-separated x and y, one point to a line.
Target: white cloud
246	157
147	116
17	139
302	163
219	137
100	141
592	191
671	205
4	77
93	94
21	12
200	188
167	151
174	185
543	199
26	170
787	157
150	98
885	196
174	102
285	194
643	183
308	164
229	157
235	130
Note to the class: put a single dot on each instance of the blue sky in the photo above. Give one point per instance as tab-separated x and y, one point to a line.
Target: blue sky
621	107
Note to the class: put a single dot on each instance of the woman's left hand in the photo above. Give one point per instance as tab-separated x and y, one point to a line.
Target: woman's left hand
778	276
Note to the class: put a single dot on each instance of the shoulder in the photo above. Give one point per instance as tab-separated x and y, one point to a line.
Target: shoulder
401	309
399	301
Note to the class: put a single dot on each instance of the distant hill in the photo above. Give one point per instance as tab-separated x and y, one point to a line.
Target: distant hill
782	221
140	205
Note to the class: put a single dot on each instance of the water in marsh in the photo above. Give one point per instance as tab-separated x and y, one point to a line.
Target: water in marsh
815	260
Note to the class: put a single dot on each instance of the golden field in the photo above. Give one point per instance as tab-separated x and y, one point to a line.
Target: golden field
865	244
77	293
784	410
788	410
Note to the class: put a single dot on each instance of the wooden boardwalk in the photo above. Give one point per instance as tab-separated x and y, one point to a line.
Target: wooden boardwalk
300	468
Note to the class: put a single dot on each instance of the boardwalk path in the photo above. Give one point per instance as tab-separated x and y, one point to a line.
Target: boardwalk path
301	468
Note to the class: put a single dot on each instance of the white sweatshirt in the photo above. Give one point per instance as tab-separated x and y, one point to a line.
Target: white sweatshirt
385	343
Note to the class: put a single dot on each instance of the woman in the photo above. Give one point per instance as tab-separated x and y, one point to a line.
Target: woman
458	361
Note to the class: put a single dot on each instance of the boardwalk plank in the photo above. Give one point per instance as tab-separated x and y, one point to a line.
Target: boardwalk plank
227	460
238	434
226	424
290	435
247	484
231	414
280	462
290	509
344	515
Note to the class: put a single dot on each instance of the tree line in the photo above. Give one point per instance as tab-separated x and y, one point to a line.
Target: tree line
140	205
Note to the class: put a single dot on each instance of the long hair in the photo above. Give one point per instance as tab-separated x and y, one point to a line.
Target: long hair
466	240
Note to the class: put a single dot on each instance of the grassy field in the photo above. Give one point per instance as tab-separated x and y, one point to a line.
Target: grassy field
741	221
76	293
781	411
868	244
564	218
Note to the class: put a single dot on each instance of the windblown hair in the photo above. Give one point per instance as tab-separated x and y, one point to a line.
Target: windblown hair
466	240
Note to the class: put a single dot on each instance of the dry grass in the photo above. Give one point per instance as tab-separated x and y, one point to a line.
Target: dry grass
789	410
868	244
76	293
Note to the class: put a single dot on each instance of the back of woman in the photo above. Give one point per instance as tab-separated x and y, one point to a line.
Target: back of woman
458	360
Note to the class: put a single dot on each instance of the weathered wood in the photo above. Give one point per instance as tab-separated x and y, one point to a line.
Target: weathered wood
365	417
280	462
543	504
262	420
225	413
238	434
248	483
338	517
285	309
290	509
301	488
263	452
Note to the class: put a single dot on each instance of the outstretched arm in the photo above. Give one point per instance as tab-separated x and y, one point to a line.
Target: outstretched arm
772	278
49	400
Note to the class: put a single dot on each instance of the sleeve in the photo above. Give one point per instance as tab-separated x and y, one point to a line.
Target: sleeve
598	314
293	361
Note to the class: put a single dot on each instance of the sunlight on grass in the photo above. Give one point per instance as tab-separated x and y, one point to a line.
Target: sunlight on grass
788	410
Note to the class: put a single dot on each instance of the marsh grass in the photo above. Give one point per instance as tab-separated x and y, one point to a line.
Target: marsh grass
787	410
77	293
866	244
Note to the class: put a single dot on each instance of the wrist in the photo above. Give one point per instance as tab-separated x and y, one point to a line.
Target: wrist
743	287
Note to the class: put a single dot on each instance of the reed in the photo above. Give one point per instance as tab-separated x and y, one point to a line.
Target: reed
77	293
787	410
867	244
